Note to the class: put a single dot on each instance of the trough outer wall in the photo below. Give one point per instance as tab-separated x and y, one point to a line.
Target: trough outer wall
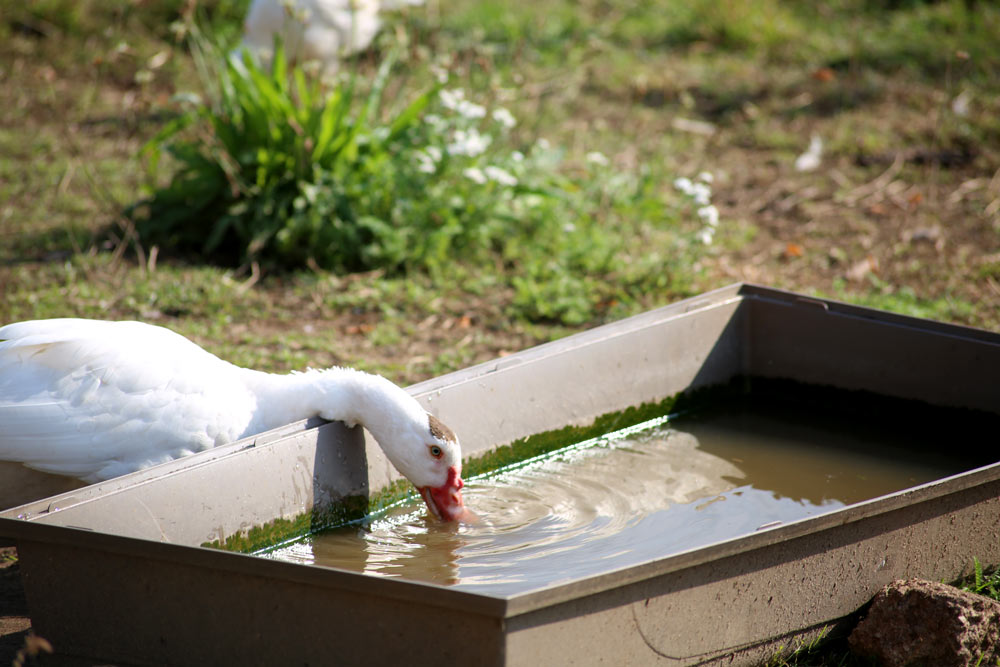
175	612
739	609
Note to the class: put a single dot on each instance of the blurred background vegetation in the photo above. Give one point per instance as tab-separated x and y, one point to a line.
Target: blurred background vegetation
493	174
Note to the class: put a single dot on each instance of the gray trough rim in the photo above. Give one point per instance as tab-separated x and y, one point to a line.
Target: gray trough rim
491	605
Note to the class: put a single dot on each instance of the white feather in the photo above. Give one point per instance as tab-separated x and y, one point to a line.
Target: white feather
320	30
75	400
94	400
813	157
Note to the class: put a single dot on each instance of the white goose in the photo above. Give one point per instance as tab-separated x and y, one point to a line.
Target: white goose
95	400
319	30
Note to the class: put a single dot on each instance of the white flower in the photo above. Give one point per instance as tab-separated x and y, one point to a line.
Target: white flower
504	117
500	176
451	98
440	73
425	163
706	177
455	100
475	175
468	142
706	234
434	152
470	109
709	214
435	122
701	193
543	144
517	156
569	228
598	158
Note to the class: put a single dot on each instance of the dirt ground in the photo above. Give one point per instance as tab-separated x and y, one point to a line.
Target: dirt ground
14	623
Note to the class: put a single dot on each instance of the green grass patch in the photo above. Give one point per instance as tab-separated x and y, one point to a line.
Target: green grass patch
904	300
573	243
982	581
278	166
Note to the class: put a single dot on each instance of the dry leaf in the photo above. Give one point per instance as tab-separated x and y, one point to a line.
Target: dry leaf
793	250
861	269
701	127
824	74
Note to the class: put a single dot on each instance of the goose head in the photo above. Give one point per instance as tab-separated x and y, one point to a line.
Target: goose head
437	474
429	455
419	445
421	448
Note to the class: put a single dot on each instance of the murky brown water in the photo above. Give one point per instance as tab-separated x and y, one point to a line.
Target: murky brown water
653	493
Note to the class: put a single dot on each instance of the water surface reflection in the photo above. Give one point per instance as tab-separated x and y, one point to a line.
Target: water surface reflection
660	491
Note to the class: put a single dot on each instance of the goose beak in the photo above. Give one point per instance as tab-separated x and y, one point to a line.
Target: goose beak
445	501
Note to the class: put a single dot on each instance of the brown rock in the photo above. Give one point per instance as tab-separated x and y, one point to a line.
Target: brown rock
917	622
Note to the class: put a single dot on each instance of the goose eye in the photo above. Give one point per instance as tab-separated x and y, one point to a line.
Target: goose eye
436	451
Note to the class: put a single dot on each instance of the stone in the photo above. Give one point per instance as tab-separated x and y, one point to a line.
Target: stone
922	623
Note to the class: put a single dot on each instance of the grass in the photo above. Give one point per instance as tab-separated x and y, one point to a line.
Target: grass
821	651
827	650
596	77
904	300
983	582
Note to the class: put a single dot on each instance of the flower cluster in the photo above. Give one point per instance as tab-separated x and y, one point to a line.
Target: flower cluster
490	173
700	192
469	142
455	101
460	131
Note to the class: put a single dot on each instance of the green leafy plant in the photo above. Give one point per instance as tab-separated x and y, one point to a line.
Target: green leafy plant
280	167
983	583
273	167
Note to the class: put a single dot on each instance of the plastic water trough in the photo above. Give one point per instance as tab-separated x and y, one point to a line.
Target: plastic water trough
116	571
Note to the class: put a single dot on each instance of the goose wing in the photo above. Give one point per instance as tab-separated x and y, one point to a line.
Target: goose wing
95	400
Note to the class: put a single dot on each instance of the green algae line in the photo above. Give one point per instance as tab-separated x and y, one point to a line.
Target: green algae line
355	508
856	404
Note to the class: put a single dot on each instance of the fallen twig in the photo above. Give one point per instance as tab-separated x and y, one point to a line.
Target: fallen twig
876	185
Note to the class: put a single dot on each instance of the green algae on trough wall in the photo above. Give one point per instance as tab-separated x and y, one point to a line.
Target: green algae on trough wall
342	511
549	441
878	410
355	508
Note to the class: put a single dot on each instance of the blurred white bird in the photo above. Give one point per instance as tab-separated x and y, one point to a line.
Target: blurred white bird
812	157
93	400
311	30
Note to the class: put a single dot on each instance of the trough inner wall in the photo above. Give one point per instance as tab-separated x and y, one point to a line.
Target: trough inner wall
744	603
805	341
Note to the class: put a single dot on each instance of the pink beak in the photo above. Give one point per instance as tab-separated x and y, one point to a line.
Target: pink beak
445	501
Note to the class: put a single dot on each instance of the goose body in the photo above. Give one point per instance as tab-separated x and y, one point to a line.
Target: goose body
319	30
94	400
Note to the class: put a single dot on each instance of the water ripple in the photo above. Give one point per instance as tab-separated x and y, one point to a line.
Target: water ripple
616	503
